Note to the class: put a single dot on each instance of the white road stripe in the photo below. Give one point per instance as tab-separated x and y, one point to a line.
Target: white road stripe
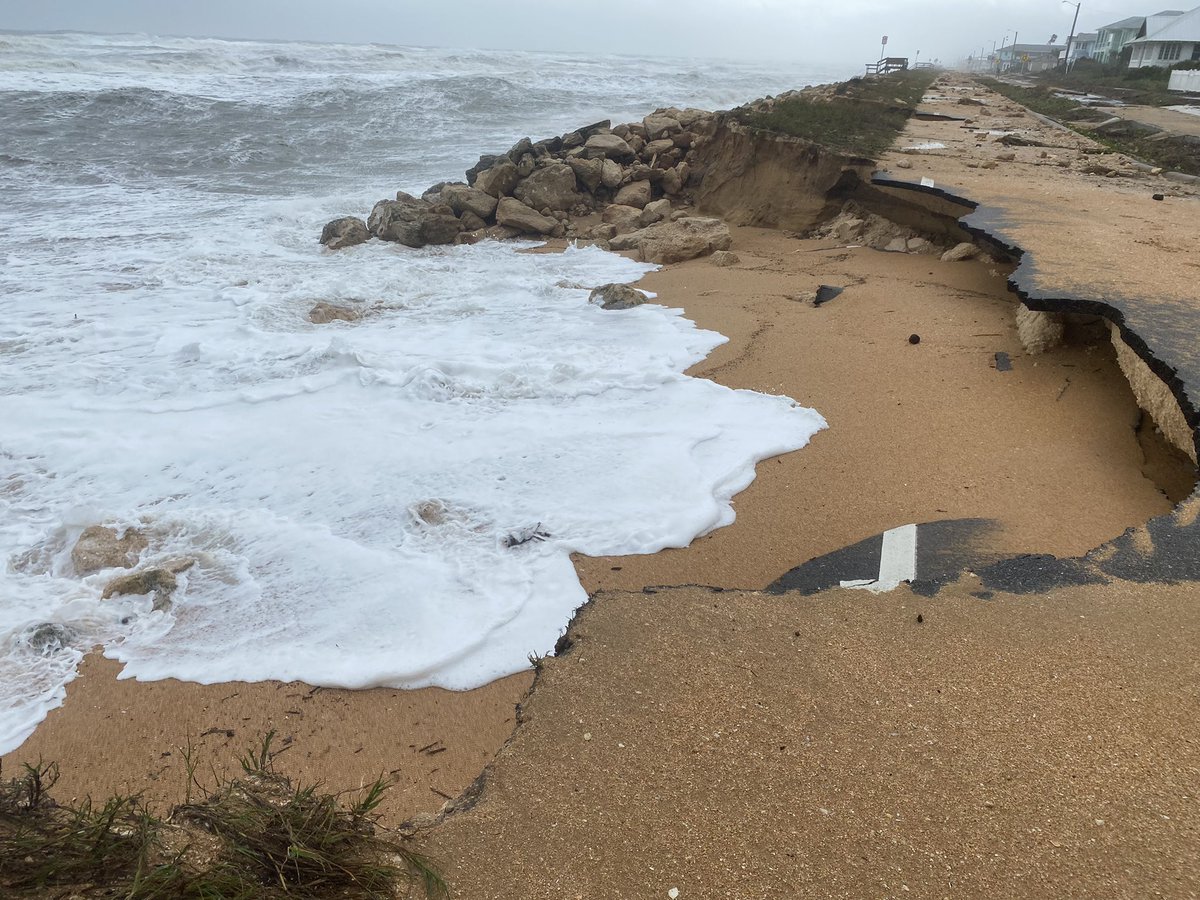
897	561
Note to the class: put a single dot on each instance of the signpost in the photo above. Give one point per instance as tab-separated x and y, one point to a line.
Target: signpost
883	50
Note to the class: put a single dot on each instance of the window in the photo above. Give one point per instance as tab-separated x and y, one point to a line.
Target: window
1195	52
1169	52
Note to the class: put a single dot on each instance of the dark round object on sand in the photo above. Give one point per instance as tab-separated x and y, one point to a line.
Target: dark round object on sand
1157	197
914	339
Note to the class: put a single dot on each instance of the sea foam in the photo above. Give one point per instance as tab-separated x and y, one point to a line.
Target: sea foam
391	501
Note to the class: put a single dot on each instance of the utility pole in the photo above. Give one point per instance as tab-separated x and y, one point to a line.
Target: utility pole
1071	38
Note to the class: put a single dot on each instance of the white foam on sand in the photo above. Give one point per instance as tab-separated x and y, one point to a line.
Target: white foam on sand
392	501
386	502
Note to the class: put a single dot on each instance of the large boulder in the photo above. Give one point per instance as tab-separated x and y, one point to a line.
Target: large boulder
608	146
552	186
671	182
412	222
101	547
657	148
471	222
514	214
500	179
485	162
625	219
159	581
616	296
690	116
588	172
636	193
660	126
655	211
611	174
520	148
683	239
463	198
345	232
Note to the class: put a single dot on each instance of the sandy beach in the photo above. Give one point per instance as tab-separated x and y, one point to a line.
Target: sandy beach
732	743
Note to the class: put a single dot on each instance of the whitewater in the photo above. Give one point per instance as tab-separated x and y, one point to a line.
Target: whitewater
392	501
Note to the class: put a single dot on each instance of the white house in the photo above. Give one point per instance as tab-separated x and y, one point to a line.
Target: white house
1083	46
1167	39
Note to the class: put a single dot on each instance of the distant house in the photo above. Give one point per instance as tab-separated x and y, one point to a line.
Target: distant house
1111	39
1167	39
1029	57
1083	46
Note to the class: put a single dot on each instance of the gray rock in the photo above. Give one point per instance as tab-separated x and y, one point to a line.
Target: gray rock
725	258
552	187
512	213
520	148
500	179
99	547
608	146
49	638
596	128
637	193
412	222
616	296
345	232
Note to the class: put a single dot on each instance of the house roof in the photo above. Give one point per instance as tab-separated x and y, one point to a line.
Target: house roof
1157	21
1085	37
1131	22
1035	48
1181	28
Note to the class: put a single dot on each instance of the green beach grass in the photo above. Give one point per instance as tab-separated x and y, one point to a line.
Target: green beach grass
862	117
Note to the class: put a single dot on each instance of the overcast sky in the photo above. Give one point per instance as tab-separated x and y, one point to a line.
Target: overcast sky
841	32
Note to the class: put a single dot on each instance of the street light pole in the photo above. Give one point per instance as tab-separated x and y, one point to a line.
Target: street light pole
1071	38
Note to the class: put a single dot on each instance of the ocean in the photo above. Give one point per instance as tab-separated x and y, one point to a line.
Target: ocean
392	501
